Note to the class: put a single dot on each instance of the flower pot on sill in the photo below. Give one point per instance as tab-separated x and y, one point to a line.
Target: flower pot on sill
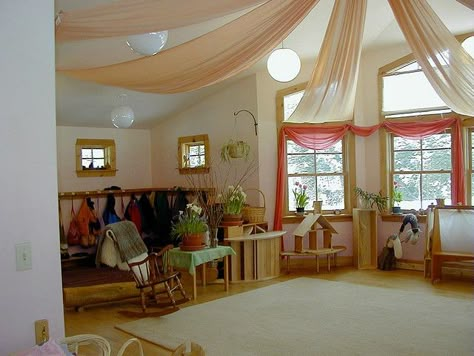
232	220
396	210
299	211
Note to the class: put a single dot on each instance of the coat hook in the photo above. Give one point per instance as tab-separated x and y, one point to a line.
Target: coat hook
254	120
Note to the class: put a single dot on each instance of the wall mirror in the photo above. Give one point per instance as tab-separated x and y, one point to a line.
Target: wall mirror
193	154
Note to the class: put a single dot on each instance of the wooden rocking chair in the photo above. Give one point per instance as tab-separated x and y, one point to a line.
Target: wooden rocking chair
152	273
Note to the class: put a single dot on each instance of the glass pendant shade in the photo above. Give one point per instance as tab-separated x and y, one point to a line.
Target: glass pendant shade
148	44
283	65
122	116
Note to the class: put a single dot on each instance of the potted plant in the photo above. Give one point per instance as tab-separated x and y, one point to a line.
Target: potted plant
235	149
368	200
397	197
233	200
190	228
301	198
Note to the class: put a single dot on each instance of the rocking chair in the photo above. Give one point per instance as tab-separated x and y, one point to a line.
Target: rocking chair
152	272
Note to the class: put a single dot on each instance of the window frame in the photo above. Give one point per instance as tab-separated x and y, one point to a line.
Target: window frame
108	145
183	148
386	167
348	156
421	172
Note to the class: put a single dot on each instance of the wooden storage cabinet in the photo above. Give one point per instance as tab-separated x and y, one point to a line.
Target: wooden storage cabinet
364	231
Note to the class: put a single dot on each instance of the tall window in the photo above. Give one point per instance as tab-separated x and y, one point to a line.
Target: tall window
422	170
325	173
321	171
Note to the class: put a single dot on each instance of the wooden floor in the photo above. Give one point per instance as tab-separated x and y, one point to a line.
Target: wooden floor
101	320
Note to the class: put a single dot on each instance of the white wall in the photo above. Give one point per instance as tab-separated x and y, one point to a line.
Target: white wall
28	174
133	158
215	117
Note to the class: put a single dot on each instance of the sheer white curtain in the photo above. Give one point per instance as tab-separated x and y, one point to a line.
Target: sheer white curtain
448	67
330	93
129	17
208	59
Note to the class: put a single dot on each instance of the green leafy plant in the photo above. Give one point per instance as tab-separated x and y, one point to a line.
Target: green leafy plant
235	149
189	221
368	199
233	199
397	195
299	193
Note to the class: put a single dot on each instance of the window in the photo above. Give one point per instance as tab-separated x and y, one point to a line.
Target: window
321	171
422	169
95	158
406	92
327	173
193	153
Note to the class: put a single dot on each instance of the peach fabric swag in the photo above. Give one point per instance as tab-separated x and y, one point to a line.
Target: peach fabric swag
330	92
130	17
208	59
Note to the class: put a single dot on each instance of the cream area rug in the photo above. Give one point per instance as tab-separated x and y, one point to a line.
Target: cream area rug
308	316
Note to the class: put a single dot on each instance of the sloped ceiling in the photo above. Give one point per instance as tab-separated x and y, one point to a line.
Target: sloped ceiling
87	104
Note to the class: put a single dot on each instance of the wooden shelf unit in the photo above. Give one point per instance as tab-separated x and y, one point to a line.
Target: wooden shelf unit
258	252
364	238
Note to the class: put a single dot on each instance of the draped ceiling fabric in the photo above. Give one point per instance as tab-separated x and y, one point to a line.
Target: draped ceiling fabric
448	67
208	59
330	93
129	17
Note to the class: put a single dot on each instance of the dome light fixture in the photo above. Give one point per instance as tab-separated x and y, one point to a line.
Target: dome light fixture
283	65
122	116
148	44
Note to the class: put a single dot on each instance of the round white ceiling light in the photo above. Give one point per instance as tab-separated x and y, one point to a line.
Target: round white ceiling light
122	116
148	44
283	65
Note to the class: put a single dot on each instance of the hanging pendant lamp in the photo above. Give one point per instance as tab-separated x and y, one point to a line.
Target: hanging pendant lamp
283	65
148	44
122	116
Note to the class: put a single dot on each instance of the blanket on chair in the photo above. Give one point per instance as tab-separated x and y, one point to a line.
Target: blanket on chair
127	241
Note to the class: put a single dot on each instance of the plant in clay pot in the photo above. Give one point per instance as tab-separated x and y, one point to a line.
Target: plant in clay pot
232	200
368	200
235	149
190	227
301	198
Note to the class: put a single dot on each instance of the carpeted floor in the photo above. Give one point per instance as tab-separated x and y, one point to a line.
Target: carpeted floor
308	316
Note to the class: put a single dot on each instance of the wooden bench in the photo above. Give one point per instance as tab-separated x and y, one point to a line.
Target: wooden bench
329	252
453	237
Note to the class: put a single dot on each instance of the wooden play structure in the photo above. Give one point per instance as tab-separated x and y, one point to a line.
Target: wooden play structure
312	226
452	238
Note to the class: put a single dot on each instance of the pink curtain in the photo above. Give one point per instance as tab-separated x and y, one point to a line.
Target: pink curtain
130	17
209	59
321	137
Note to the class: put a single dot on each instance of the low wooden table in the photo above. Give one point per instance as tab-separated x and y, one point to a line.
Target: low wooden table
191	259
258	256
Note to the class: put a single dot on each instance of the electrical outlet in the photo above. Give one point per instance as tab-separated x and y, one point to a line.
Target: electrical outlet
41	331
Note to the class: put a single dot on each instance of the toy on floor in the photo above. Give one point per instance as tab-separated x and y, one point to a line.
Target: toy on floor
393	247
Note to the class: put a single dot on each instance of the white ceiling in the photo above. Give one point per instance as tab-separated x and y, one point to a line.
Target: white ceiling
87	104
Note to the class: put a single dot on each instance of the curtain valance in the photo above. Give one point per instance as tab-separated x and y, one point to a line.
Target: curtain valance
321	137
209	59
129	17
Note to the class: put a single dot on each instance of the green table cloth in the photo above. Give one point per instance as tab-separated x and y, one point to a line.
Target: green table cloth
190	259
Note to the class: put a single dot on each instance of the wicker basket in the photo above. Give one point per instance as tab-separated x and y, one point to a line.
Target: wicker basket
253	214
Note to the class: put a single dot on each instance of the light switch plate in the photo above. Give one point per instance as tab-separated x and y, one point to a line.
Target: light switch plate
23	256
